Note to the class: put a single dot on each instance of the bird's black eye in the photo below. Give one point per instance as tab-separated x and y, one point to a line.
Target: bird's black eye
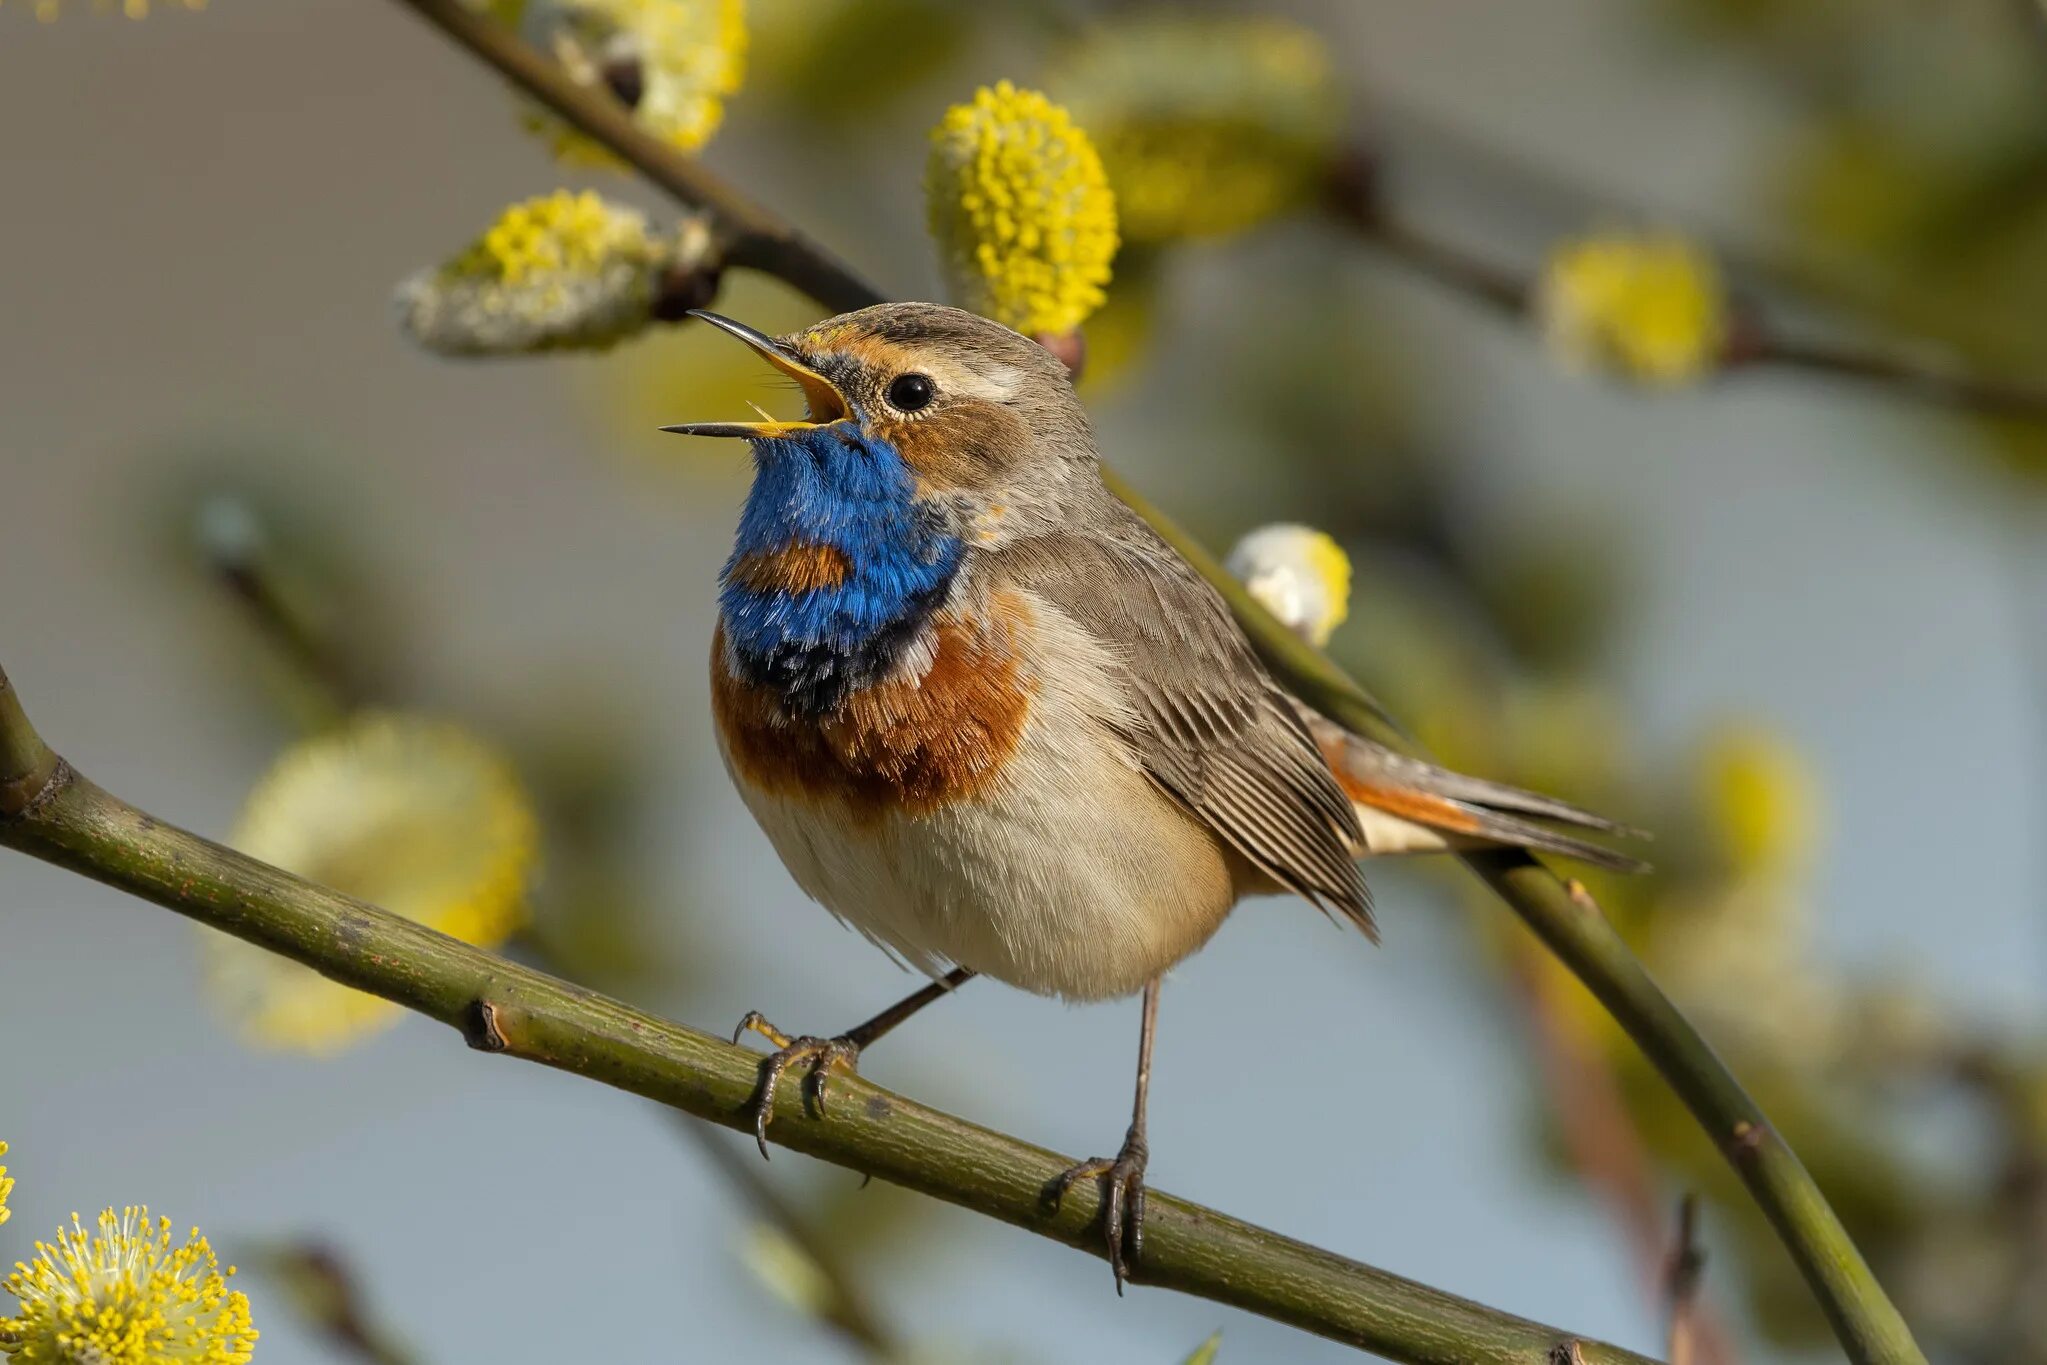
909	392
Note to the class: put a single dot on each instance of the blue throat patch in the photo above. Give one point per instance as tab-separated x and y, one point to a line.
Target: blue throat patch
838	487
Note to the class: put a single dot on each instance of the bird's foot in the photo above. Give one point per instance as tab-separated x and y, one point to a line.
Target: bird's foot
818	1056
1122	1200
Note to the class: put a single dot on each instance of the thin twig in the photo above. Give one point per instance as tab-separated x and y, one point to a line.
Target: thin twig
1945	385
1687	1265
330	1296
847	1309
49	811
231	543
1352	195
1602	1141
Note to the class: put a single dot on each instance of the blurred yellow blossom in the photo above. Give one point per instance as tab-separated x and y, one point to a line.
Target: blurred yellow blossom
1120	333
672	62
1207	125
1743	933
563	271
787	1271
1721	948
48	10
125	1296
1760	800
6	1187
1648	307
1298	574
799	51
1020	209
410	814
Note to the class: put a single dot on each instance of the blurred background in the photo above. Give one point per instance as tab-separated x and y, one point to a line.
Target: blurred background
1795	622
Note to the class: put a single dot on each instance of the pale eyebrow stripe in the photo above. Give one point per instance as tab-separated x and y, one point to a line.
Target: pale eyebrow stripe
995	381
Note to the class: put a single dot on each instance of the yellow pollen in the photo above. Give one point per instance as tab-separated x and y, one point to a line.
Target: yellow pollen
124	1295
1021	210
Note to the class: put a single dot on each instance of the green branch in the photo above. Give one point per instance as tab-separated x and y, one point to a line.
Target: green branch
1864	1319
53	813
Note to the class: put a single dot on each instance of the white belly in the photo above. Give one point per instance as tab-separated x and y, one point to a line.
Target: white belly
1077	879
1070	874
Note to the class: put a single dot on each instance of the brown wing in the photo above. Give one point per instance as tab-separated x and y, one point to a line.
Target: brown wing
1212	730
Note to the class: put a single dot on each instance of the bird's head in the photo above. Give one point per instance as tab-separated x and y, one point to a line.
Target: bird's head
977	425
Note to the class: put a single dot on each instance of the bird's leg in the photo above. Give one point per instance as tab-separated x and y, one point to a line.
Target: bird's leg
1123	1177
820	1056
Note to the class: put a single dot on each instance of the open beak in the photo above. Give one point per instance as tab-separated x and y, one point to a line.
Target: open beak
827	404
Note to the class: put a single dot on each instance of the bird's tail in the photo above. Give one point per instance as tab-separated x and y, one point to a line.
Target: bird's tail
1408	806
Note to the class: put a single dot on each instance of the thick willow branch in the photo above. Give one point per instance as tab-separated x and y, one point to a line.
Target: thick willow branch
1865	1320
51	812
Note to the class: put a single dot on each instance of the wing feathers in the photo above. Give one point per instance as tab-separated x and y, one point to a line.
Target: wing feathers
1209	726
1471	807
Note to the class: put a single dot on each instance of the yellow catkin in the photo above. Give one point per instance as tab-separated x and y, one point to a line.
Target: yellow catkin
6	1187
563	271
408	813
1021	210
558	234
50	10
1648	307
1761	800
1207	125
124	1295
1297	573
679	60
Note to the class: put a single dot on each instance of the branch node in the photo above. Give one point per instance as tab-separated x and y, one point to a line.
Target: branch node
21	797
481	1030
1746	1140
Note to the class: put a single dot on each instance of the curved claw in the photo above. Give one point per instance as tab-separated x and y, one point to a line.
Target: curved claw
756	1022
820	1057
1122	1201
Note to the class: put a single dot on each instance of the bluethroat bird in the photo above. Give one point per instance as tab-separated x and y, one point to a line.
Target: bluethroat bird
988	718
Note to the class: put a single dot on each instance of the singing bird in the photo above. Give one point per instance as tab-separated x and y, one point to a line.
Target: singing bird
989	719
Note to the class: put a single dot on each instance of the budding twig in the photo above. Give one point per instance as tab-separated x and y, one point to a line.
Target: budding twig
1687	1265
1602	1142
329	1295
1354	197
